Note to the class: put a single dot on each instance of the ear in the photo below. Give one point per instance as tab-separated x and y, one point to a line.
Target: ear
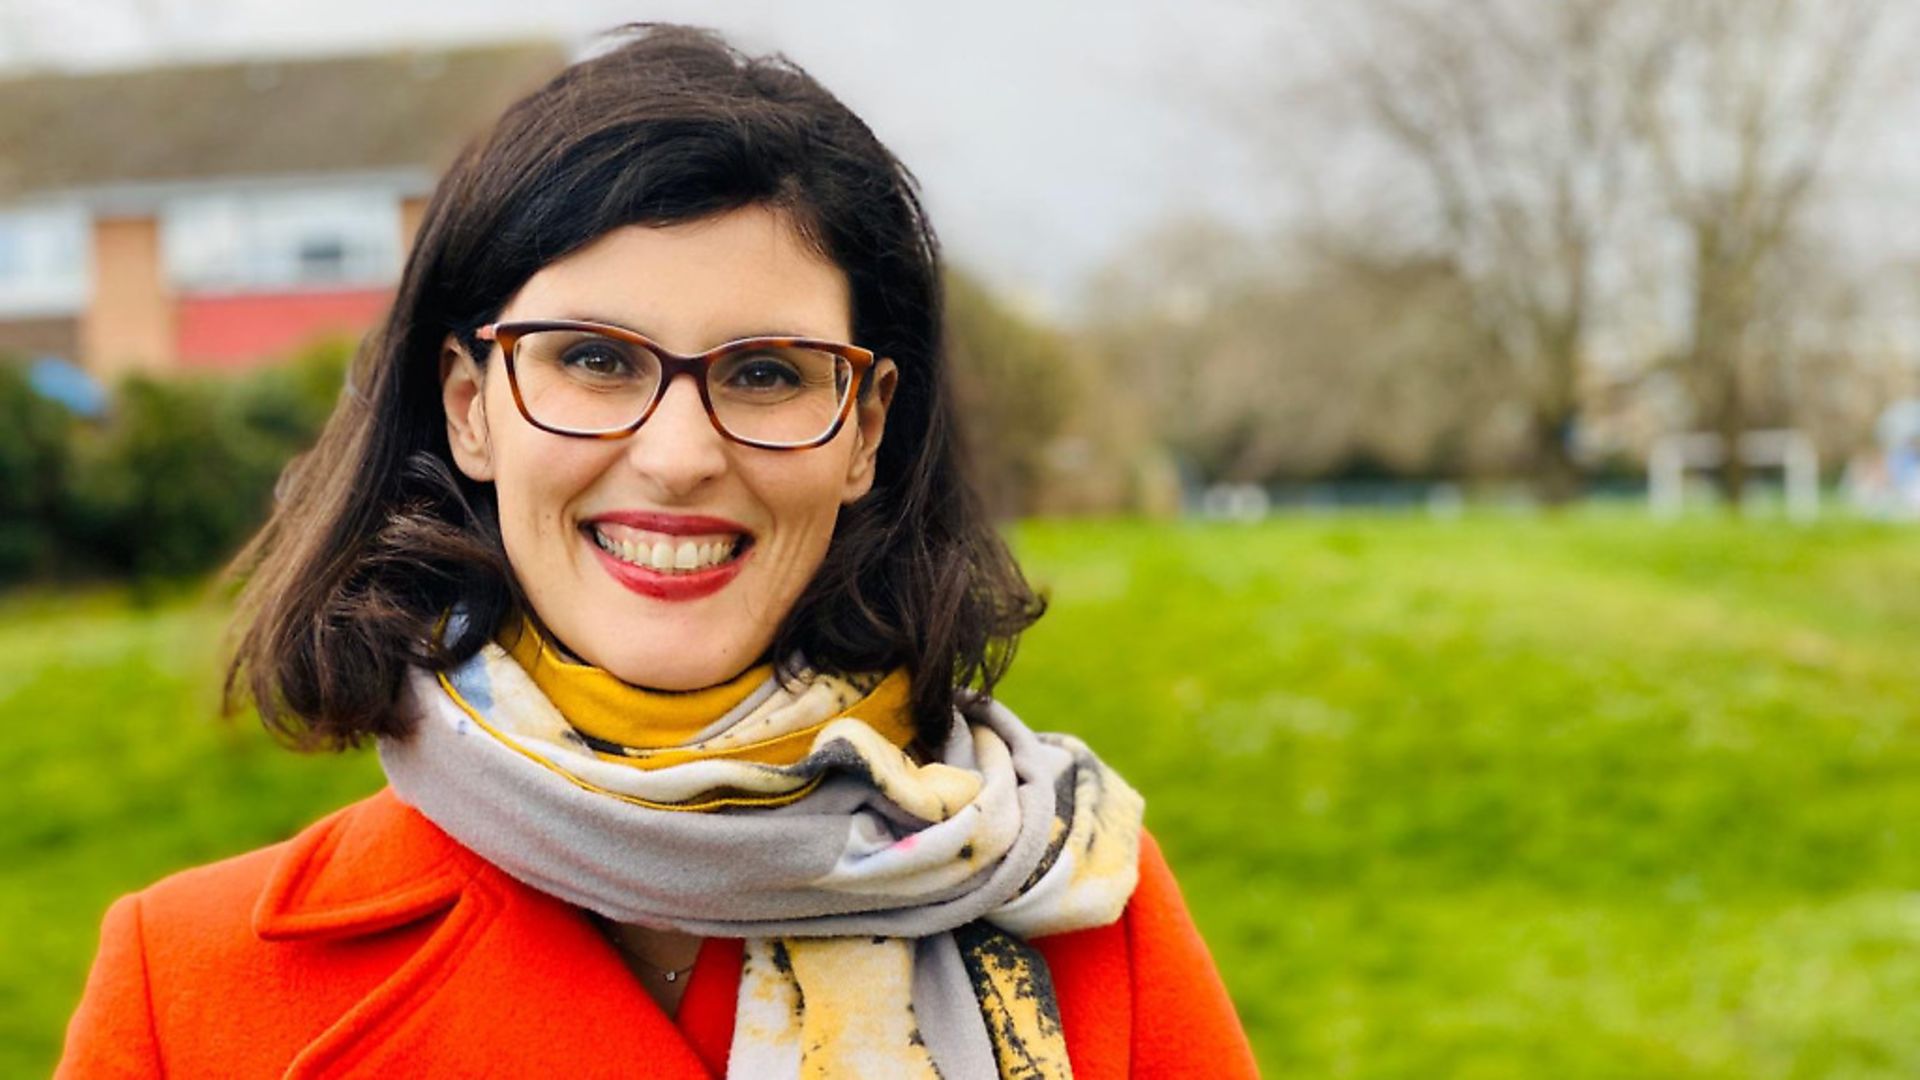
870	423
462	386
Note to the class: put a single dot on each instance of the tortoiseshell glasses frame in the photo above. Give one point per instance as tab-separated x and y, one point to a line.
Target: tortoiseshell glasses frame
508	335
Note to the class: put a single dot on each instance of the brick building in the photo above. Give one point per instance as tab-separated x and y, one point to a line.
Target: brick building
224	215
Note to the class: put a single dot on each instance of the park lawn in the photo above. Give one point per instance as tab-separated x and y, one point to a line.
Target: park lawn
1499	796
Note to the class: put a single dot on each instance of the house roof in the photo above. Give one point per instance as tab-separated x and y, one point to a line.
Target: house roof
409	110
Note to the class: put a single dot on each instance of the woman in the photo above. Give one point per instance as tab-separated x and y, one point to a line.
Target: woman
681	684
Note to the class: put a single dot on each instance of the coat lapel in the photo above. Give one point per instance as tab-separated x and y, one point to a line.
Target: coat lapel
510	980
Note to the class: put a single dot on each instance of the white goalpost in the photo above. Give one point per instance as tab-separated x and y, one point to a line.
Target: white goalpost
1790	451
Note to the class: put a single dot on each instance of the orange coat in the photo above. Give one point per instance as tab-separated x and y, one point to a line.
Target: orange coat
372	945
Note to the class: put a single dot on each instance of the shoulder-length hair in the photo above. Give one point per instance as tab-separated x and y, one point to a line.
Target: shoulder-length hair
374	534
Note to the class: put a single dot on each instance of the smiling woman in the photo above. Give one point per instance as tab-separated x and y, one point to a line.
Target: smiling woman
642	548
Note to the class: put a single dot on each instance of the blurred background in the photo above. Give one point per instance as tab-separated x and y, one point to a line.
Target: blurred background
1472	446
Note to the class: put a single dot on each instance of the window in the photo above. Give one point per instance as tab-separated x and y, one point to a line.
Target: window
43	261
323	258
242	242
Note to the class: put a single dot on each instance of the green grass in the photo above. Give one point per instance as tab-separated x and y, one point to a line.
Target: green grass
1495	797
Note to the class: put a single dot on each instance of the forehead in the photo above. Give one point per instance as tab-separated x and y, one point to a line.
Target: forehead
693	285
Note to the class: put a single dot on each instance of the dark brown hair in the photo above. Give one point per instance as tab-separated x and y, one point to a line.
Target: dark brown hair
374	534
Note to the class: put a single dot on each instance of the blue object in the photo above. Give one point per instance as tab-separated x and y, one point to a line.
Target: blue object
1900	424
68	384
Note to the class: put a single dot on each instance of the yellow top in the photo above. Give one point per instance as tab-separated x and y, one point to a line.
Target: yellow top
597	702
657	728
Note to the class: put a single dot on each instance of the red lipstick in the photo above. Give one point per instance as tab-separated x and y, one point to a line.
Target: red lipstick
674	524
681	585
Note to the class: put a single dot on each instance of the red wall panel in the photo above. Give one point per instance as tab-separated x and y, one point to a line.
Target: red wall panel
247	330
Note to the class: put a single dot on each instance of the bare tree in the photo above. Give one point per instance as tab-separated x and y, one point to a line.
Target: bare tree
1738	123
1515	120
1260	361
1822	352
1181	317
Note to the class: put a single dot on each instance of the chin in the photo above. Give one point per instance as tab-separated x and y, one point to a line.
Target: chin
690	668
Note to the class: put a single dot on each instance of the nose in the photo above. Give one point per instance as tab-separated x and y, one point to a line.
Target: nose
677	448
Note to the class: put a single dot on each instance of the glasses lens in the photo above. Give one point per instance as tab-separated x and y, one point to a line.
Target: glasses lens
576	380
779	393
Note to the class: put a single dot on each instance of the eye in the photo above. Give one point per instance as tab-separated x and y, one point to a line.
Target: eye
764	372
600	359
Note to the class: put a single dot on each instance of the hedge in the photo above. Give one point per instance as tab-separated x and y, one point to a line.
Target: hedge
170	484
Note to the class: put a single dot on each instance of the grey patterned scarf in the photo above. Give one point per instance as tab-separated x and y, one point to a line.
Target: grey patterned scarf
883	900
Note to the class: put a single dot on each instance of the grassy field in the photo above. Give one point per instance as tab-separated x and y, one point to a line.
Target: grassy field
1494	797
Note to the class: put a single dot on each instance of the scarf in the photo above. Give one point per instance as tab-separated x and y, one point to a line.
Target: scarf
884	901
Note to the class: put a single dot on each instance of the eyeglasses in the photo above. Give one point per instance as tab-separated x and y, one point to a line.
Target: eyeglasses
595	381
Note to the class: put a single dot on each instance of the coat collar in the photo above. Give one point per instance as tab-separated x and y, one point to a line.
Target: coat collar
504	974
367	867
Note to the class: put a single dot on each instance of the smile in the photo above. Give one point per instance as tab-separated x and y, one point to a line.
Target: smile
669	557
666	554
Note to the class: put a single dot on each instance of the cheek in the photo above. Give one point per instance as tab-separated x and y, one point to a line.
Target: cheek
803	501
534	483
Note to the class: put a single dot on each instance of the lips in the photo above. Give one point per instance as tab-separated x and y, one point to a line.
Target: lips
668	556
672	524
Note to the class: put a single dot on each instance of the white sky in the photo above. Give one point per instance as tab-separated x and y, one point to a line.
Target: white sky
1047	133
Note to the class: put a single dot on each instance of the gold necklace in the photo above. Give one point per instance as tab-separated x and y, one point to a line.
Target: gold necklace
669	974
611	930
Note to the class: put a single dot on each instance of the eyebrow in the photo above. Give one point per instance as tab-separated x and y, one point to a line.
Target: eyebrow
580	316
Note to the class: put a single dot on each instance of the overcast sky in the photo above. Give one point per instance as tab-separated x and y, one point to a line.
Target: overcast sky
1047	133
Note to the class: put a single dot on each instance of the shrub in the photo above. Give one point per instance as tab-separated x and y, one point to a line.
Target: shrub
186	468
33	471
1048	429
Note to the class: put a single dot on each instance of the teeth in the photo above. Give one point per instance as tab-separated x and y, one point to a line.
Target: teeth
663	556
